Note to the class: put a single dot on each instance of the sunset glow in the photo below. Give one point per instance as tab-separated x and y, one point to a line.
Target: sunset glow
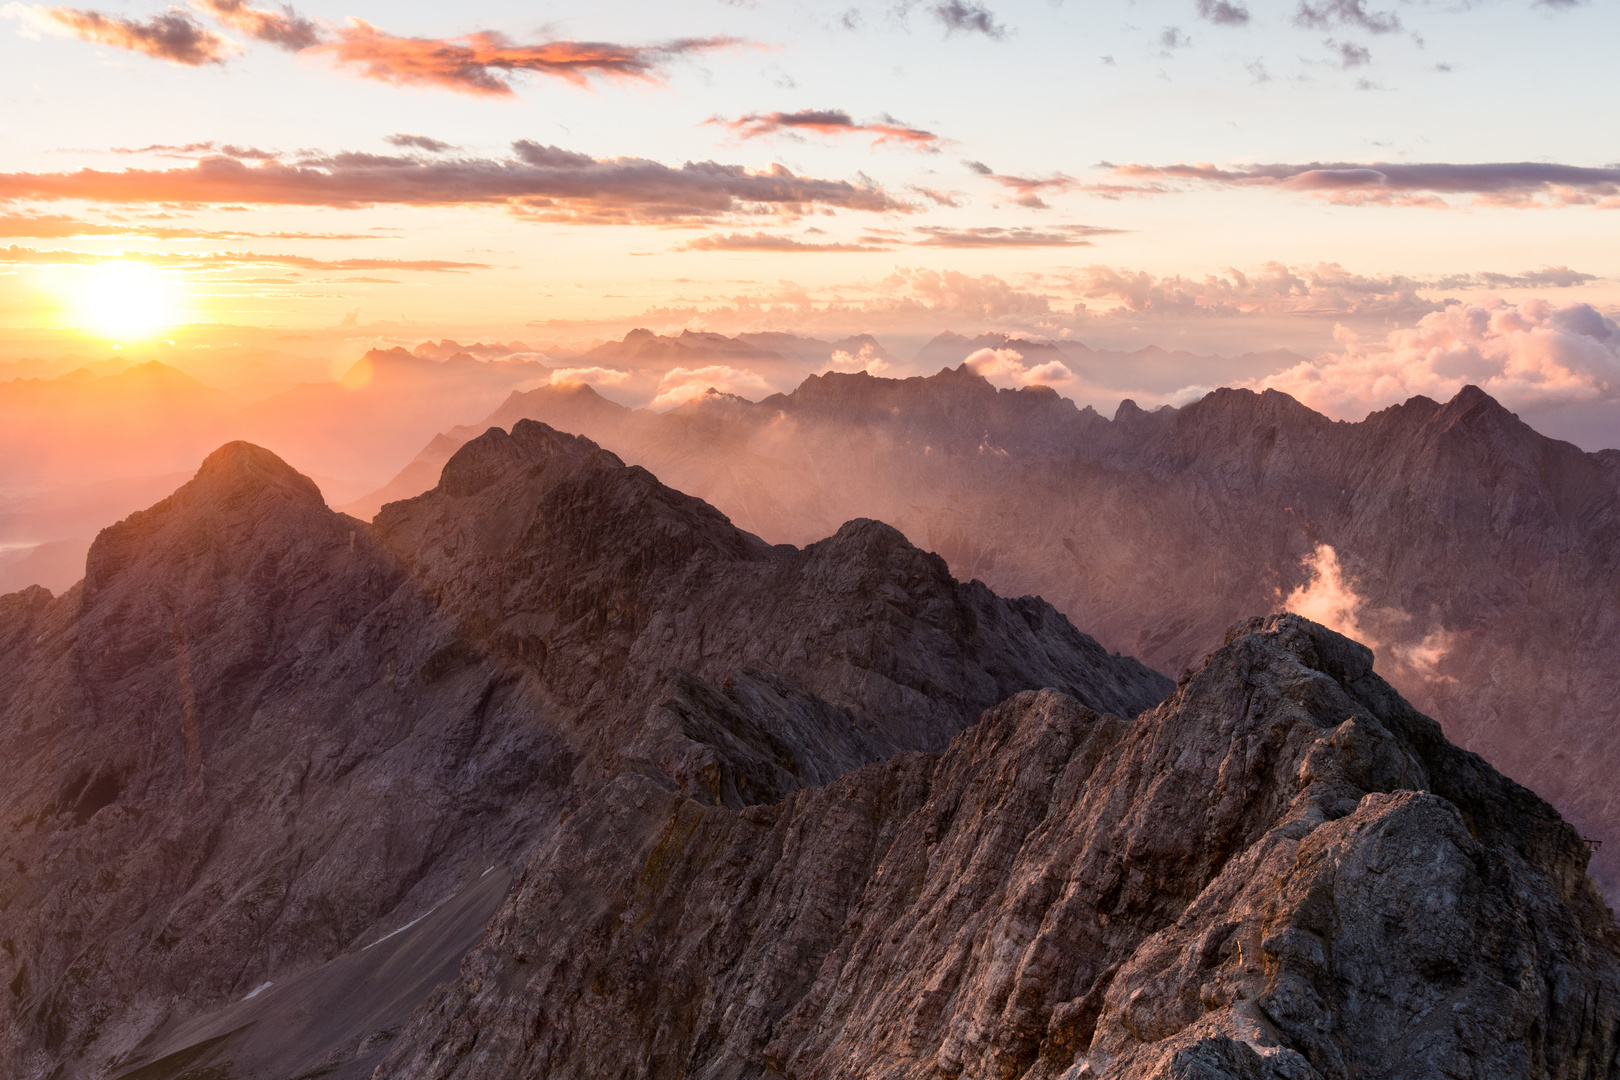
124	301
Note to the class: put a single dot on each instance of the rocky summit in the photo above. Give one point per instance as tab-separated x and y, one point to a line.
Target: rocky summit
273	767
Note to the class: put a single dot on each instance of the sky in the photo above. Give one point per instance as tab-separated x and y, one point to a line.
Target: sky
1408	195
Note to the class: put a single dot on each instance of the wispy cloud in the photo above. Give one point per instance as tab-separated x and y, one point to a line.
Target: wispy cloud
231	259
760	241
62	226
1026	188
885	129
1001	237
418	142
1323	14
1521	183
539	182
1323	290
172	35
285	29
481	63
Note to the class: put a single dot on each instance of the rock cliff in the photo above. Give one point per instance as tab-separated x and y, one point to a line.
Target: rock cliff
272	764
1283	871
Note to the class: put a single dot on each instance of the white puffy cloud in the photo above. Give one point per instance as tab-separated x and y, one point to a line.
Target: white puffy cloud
680	385
1006	367
596	376
1525	355
866	360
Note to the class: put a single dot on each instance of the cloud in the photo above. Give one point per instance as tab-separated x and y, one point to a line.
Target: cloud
1528	355
285	28
418	142
540	182
172	35
1328	598
1521	183
1171	37
62	226
1006	367
1328	13
885	129
228	259
480	63
967	17
1326	289
680	385
867	360
1027	188
760	241
594	376
998	237
1223	12
1349	53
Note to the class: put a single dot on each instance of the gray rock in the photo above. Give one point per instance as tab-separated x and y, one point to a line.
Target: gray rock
261	735
1284	871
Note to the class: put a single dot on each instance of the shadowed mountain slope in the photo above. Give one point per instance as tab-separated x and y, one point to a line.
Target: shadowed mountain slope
1480	558
261	736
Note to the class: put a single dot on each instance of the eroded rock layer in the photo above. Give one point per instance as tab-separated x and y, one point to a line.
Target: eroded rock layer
1283	871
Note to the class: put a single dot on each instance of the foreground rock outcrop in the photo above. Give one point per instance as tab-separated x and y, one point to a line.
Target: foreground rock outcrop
1284	871
261	737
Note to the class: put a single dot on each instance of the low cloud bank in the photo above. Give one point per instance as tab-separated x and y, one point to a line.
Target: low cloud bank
1527	356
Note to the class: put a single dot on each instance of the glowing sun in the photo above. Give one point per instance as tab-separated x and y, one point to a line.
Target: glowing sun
125	300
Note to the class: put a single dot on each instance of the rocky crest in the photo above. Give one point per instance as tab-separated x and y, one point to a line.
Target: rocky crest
1284	871
281	758
1482	555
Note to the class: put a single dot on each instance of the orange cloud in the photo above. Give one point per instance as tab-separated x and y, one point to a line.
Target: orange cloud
885	129
173	35
284	28
227	259
543	182
62	226
478	63
760	241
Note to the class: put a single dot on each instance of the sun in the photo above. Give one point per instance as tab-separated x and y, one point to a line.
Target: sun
125	301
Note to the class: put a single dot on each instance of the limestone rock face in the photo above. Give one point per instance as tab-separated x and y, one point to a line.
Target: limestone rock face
1283	871
262	736
1483	554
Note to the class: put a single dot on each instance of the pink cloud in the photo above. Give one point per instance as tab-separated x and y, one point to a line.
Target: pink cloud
1525	355
480	63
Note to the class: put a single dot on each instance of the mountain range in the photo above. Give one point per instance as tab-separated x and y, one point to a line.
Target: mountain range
1476	555
553	770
